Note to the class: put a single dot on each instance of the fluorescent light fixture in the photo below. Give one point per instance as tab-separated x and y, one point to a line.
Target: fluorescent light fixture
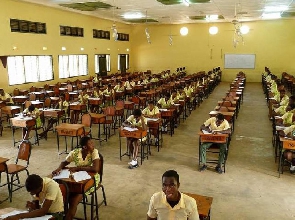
212	17
186	2
244	29
133	15
213	30
271	15
63	48
183	31
278	8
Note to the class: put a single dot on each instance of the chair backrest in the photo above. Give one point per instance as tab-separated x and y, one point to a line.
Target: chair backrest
223	109
27	103
136	100
24	151
226	104
110	111
100	172
86	120
119	104
32	97
56	91
33	89
47	102
65	194
15	92
70	87
67	96
42	97
46	87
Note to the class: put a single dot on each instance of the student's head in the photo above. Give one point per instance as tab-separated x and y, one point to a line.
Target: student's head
109	86
282	93
86	144
62	97
31	108
167	96
151	105
2	92
34	184
219	118
174	93
170	184
136	113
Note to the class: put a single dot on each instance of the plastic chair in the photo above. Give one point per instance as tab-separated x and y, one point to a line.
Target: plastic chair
87	122
24	153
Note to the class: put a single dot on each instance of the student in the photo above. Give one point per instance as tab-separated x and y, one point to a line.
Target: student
165	102
47	199
136	120
33	112
97	93
83	97
110	93
174	97
171	203
4	96
120	87
214	125
288	155
86	158
151	111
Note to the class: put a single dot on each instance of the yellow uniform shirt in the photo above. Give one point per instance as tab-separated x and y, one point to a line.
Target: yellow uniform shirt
186	209
164	103
51	191
211	122
152	112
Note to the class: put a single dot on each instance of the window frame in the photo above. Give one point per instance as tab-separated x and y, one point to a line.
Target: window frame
127	61
109	67
68	55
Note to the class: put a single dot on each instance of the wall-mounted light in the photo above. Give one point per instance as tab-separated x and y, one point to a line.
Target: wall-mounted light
82	48
14	47
127	49
244	29
44	48
108	49
213	30
183	31
63	48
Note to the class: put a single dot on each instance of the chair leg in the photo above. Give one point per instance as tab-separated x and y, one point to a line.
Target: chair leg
84	206
104	195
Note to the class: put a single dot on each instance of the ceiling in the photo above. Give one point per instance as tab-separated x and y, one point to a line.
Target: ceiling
175	11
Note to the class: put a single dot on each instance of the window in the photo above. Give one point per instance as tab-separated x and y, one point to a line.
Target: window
72	65
102	63
123	62
25	69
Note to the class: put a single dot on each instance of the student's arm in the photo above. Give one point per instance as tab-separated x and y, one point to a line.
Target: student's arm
36	213
227	131
94	168
143	123
204	127
61	166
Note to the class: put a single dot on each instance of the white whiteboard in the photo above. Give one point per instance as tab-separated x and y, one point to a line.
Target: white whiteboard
239	61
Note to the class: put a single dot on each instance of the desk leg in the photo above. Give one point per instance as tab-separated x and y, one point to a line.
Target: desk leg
57	137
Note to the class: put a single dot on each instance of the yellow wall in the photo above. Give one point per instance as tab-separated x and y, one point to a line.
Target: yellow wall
271	41
32	44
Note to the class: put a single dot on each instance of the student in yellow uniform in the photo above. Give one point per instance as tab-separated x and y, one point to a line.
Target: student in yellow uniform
97	93
170	203
174	97
165	102
136	120
151	111
4	96
217	124
47	199
120	87
109	93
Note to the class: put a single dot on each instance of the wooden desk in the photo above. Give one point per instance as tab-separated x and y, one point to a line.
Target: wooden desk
169	116
3	169
37	104
10	111
138	134
20	99
98	119
26	123
213	138
94	104
77	108
230	109
69	130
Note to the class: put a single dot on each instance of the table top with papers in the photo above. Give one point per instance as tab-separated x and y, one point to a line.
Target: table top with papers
4	213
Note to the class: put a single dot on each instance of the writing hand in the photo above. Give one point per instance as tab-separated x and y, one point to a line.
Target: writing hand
56	172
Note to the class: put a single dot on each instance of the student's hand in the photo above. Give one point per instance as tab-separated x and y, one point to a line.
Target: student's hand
73	169
56	172
31	206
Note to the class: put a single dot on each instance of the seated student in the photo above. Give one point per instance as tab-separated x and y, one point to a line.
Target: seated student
109	92
128	84
4	96
288	155
86	158
214	125
170	203
165	102
97	93
136	120
47	199
120	87
34	112
174	97
281	97
151	111
83	97
286	111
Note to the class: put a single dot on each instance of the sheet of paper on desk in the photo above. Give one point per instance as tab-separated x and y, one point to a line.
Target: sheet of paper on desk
81	175
176	104
206	132
277	117
152	119
15	212
163	109
62	175
45	217
130	129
